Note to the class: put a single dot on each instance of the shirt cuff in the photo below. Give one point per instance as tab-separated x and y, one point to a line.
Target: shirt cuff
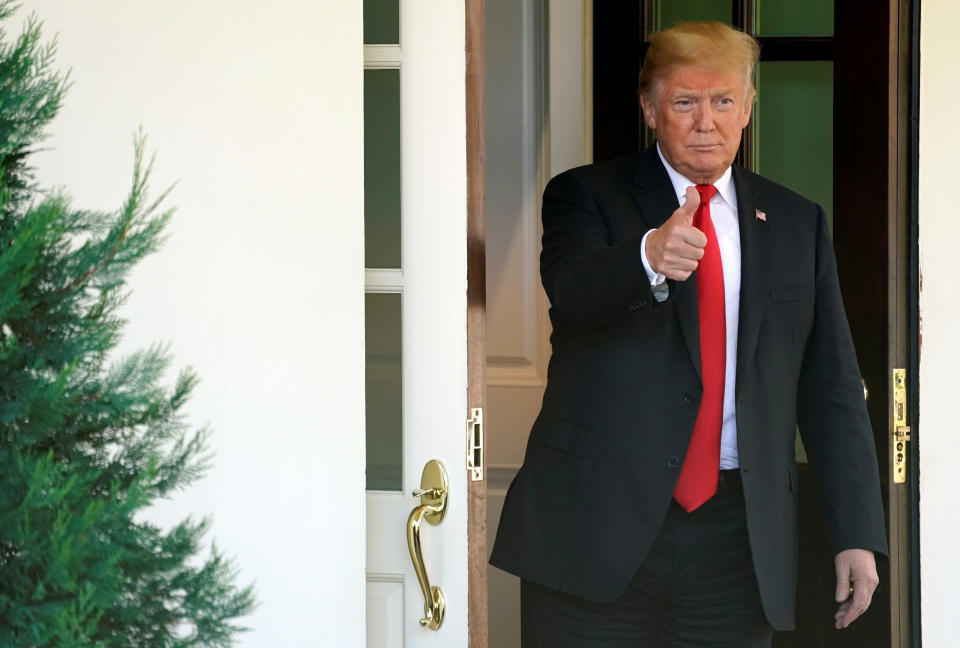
655	277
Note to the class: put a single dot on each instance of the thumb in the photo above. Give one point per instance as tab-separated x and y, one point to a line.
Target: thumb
689	208
843	583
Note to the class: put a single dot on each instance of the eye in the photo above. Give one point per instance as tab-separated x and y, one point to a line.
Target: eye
683	104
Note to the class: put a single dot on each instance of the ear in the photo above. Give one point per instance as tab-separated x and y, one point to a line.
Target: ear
649	114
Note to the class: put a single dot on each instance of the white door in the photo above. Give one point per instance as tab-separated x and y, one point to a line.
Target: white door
258	112
416	285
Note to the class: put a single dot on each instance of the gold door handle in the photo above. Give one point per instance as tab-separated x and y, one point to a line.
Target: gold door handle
433	492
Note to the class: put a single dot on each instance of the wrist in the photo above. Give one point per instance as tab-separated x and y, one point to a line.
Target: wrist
647	249
654	275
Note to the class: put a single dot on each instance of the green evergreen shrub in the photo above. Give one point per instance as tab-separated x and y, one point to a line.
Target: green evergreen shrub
87	442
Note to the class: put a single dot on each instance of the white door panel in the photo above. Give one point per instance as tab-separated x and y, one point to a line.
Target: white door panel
385	611
434	285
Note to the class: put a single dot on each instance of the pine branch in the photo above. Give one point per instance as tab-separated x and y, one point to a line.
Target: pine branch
87	444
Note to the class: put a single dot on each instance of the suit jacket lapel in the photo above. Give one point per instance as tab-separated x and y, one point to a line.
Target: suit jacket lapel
754	266
654	194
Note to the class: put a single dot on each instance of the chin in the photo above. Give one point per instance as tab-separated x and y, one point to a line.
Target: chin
703	167
710	163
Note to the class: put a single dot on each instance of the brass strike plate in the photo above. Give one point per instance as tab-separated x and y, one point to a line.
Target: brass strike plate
475	444
901	431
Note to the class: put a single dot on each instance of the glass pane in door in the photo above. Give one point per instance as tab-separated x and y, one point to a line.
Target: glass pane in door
381	167
794	127
794	17
381	22
384	391
670	12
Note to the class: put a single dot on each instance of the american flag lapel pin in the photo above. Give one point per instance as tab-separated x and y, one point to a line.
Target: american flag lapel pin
761	216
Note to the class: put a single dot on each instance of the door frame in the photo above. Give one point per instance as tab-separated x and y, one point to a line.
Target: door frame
895	246
477	618
910	40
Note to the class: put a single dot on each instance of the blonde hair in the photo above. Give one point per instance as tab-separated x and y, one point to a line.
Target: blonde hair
713	45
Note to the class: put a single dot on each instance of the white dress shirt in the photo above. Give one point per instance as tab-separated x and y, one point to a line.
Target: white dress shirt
723	213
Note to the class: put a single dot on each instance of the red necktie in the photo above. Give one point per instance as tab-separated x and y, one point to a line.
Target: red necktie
698	477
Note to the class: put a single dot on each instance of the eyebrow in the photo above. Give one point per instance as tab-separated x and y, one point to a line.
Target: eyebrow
684	92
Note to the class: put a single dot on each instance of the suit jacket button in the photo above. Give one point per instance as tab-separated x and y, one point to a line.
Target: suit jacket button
689	397
673	462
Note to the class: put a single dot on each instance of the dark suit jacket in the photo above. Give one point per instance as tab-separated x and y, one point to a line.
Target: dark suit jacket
624	386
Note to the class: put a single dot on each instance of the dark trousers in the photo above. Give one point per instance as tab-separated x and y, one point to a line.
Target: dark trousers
696	588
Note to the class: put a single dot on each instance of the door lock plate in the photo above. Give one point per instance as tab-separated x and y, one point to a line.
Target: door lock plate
901	431
475	444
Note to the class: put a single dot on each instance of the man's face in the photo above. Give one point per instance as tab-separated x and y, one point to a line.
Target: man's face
699	115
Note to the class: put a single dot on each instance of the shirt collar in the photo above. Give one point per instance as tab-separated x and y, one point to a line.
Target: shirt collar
725	185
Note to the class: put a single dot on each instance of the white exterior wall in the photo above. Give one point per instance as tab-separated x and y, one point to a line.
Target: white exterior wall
940	348
254	109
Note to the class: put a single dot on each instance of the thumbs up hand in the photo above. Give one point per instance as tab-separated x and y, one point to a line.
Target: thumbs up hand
676	247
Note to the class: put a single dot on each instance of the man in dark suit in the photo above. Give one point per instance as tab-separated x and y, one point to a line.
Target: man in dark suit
697	320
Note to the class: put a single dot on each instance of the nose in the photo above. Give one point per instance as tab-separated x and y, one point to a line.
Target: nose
703	117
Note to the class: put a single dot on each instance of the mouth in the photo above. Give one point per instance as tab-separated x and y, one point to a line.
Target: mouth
704	147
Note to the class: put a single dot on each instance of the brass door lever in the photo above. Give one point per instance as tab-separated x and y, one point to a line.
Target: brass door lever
433	492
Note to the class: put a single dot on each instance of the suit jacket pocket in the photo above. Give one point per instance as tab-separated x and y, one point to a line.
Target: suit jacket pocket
795	292
564	434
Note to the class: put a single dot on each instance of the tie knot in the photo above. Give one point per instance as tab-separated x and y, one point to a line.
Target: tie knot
706	193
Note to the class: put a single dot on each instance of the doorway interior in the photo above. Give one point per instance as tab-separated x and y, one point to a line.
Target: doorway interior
832	121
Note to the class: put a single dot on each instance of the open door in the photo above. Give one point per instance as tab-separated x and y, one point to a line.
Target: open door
425	572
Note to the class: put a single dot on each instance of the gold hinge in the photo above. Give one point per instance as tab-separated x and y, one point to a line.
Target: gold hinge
901	431
475	444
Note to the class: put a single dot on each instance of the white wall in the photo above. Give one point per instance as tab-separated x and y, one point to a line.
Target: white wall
939	436
255	109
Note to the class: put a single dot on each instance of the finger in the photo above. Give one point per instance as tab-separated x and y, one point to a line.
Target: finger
863	589
843	583
861	598
858	605
681	271
689	208
842	611
681	263
677	275
678	250
693	236
841	614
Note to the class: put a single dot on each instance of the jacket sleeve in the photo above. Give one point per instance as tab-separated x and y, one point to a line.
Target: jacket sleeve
833	419
588	280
